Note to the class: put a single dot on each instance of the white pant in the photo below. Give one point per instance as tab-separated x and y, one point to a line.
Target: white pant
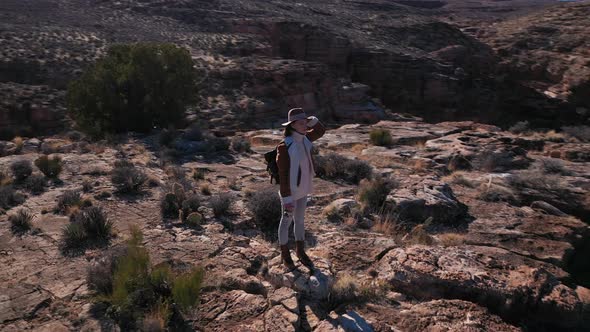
287	217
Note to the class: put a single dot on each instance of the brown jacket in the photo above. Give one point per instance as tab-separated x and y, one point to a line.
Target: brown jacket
284	162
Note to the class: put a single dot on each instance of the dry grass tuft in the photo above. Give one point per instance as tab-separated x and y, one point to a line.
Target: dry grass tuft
451	239
459	179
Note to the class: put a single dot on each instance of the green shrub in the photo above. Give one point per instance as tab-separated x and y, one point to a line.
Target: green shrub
582	133
169	205
127	178
162	278
190	204
217	144
88	227
520	127
135	87
73	236
99	276
334	166
51	167
265	205
20	222
139	295
95	223
70	198
21	169
36	184
373	193
194	219
187	288
552	166
199	174
167	136
240	144
87	186
9	197
194	133
380	137
221	204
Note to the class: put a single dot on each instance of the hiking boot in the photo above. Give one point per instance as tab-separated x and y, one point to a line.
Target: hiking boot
300	251
286	257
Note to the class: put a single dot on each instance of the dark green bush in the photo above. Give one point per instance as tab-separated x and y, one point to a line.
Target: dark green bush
10	197
21	169
73	236
51	167
20	222
138	293
127	178
134	87
333	166
240	144
373	193
190	204
380	137
265	205
95	223
221	204
169	205
70	198
36	183
187	288
89	227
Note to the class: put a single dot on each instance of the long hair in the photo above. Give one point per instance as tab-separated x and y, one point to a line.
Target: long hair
288	130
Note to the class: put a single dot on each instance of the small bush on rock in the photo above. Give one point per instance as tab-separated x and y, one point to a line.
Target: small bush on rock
36	184
186	289
167	136
51	167
9	197
127	178
372	193
240	144
552	166
69	199
72	236
496	193
380	137
88	227
169	205
21	169
139	295
20	222
194	219
221	204
194	133
100	274
581	133
265	205
334	166
520	127
190	204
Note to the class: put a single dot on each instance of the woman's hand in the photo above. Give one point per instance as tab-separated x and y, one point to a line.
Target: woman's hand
289	207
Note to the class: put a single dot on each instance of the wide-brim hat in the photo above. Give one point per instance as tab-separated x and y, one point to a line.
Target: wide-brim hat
294	115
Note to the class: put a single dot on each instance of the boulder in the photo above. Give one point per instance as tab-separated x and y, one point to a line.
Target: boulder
425	199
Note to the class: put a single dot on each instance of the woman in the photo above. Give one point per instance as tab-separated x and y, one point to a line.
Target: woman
295	176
